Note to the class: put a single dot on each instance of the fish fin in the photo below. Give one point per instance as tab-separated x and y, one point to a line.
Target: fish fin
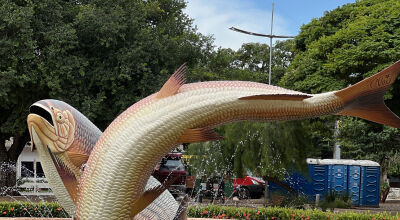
290	97
181	213
365	99
68	178
78	159
173	84
199	135
149	196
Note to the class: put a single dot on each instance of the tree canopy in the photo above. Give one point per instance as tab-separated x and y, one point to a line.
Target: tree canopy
98	57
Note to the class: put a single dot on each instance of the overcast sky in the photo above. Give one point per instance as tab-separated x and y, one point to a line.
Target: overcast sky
216	16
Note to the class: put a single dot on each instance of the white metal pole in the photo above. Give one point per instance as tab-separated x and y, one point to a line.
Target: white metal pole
270	46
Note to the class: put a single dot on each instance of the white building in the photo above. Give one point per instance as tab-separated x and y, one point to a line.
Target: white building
30	176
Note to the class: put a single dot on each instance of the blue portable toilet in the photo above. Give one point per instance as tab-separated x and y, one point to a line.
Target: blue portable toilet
370	183
337	175
319	177
354	182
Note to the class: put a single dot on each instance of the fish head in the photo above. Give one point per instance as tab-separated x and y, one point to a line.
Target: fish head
53	123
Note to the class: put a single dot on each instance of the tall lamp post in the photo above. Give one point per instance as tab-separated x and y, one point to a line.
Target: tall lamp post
270	36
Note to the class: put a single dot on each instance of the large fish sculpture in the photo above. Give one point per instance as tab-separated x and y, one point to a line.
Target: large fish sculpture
64	139
114	180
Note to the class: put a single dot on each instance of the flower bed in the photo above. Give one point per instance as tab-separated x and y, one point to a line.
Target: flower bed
212	211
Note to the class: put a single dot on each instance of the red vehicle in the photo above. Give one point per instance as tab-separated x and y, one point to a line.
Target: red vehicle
171	166
248	187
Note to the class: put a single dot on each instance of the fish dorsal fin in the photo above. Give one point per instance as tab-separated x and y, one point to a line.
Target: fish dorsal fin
149	196
173	84
194	135
289	97
181	214
77	158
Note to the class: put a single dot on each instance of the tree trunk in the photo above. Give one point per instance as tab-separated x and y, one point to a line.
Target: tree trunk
384	183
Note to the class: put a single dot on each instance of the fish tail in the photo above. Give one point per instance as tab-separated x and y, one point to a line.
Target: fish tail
365	99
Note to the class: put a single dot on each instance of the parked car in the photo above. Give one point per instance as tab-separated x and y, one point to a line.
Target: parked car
169	167
248	187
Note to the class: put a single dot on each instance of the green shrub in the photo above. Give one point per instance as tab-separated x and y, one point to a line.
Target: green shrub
334	200
297	202
27	209
53	209
213	211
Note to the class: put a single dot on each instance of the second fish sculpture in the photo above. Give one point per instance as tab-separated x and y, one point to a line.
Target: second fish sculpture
113	182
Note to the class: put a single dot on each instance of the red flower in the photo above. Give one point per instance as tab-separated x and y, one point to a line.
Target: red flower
59	209
35	209
25	209
205	211
293	215
258	212
11	209
272	217
4	213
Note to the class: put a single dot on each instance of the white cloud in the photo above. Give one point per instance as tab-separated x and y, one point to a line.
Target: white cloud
215	17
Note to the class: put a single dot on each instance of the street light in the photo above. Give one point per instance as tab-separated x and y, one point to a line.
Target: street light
270	36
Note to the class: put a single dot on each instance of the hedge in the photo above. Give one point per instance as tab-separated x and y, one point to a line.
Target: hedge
213	211
53	209
28	209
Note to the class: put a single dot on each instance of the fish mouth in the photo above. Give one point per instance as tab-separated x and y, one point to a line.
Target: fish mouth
42	111
41	121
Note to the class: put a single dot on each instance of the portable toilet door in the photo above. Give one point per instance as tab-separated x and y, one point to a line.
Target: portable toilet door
338	178
319	177
354	184
370	183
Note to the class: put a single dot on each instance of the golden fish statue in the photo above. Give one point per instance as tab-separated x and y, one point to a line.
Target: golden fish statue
113	182
64	139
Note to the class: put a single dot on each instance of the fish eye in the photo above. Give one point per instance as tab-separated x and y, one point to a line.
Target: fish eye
60	116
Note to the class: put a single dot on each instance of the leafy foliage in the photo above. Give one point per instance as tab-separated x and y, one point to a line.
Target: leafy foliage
98	57
213	211
344	46
27	209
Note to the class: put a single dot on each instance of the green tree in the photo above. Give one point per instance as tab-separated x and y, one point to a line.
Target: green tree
99	57
341	48
269	150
